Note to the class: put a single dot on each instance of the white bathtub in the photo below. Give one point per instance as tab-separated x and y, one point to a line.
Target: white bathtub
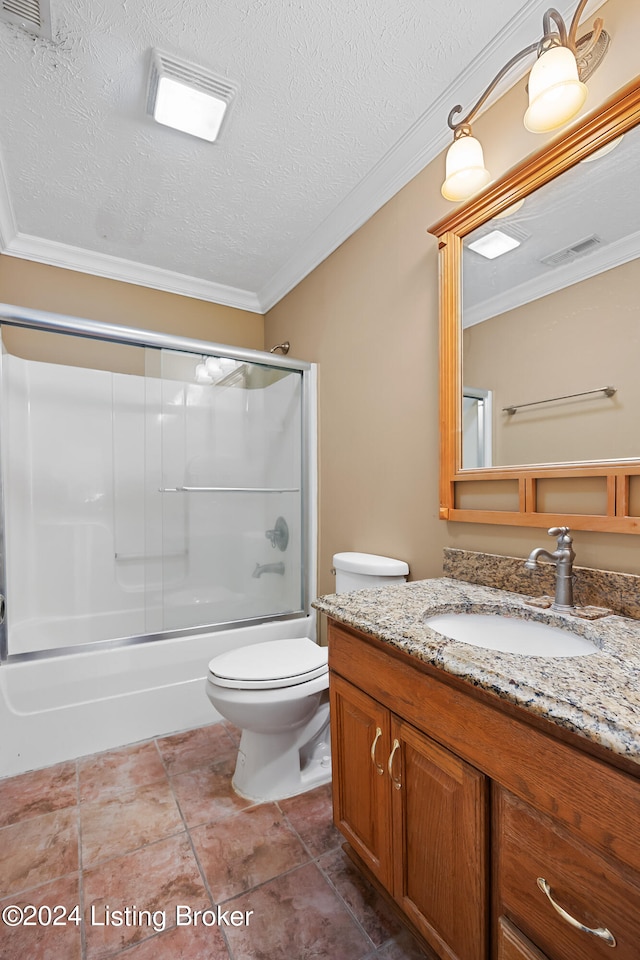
65	707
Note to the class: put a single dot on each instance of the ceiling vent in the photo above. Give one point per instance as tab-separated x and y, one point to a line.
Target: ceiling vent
34	16
188	97
572	252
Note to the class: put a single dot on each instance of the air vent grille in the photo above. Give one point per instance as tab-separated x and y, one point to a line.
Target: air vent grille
570	253
34	16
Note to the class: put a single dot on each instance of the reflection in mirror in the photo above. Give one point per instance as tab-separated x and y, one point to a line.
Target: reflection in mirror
476	427
553	319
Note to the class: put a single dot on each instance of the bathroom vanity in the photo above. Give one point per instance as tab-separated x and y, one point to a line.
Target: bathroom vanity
494	797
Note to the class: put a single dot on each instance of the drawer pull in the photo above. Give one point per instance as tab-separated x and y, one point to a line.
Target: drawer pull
397	782
600	932
378	766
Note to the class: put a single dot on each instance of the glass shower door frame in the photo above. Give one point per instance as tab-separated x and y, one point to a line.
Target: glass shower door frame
97	330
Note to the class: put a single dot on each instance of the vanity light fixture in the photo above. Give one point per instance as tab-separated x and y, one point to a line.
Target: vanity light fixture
494	244
556	93
187	97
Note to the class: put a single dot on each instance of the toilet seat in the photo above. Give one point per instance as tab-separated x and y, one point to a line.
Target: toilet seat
267	666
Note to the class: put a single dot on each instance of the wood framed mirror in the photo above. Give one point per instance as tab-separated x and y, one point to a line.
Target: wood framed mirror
549	335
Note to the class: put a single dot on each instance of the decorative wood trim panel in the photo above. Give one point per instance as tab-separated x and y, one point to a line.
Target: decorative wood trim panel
617	116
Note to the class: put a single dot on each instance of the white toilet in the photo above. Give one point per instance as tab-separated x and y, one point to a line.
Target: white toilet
277	693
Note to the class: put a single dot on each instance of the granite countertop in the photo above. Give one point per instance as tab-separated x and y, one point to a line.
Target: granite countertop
596	696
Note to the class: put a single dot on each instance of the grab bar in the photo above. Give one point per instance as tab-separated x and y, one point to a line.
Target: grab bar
229	489
151	556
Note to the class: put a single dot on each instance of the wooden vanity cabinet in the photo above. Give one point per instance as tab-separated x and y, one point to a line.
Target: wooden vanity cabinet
532	852
458	805
408	806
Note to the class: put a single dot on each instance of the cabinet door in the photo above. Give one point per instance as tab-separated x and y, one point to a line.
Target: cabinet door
360	752
440	810
513	945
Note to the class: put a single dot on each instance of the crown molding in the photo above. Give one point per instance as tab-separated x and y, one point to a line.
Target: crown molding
421	144
425	139
128	271
8	227
598	261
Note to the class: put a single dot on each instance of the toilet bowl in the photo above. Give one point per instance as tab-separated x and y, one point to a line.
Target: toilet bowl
277	693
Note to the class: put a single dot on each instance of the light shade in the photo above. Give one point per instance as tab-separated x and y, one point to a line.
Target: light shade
187	97
182	107
555	92
465	169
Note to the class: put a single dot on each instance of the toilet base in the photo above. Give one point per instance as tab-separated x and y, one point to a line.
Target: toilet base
275	766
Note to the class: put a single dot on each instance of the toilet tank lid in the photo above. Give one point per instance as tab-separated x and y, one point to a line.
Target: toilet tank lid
272	660
371	564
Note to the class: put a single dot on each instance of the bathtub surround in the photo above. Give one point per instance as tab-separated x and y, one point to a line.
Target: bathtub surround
619	592
137	504
156	826
62	708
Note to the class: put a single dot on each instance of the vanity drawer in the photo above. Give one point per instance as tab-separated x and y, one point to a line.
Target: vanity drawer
512	945
595	892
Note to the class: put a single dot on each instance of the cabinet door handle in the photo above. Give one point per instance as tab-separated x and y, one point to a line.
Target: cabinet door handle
396	780
378	766
600	932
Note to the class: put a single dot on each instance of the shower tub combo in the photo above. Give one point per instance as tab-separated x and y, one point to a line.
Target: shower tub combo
157	510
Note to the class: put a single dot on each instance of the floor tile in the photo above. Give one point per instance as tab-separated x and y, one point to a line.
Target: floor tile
196	748
181	943
234	732
118	825
311	816
366	904
206	795
242	851
54	936
402	947
157	878
38	850
296	916
110	774
40	791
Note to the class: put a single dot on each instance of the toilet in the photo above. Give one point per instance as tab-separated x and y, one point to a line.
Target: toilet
277	693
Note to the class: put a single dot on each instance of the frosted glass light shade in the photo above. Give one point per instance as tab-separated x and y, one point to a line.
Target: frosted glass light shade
465	169
181	106
555	91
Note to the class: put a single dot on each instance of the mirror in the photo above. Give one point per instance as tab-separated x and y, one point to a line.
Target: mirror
550	321
540	345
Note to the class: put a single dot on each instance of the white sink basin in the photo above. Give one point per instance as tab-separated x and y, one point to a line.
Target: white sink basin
529	638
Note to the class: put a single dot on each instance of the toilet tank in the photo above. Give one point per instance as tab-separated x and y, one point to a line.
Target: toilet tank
359	571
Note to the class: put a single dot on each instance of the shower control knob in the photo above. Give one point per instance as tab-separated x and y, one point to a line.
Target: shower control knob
279	536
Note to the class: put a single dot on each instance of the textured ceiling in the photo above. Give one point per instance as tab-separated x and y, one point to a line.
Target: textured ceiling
339	104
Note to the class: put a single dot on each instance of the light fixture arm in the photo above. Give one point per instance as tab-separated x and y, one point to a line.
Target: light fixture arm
459	127
554	33
556	91
547	33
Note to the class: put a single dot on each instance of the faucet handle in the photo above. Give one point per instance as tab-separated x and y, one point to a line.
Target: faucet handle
562	533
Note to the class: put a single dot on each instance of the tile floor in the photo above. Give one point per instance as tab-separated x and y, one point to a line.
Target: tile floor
142	837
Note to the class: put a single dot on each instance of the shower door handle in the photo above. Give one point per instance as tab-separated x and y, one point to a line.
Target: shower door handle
3	608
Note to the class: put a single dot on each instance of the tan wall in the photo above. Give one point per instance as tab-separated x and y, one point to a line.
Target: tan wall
368	317
580	338
41	287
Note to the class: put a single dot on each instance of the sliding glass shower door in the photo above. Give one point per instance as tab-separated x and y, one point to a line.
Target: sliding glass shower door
147	490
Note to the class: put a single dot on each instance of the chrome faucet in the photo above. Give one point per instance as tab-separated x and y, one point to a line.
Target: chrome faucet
563	557
261	568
